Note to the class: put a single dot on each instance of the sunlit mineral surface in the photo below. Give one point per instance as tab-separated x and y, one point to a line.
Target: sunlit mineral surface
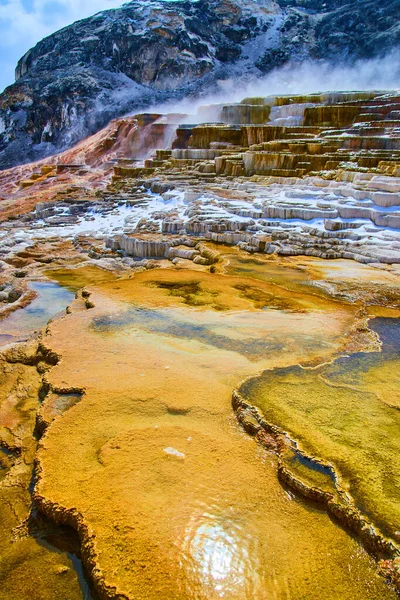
169	496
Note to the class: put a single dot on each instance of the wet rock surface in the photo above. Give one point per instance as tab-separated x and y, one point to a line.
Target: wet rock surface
222	329
29	567
147	452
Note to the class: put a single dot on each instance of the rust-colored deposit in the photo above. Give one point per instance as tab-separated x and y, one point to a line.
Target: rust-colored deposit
79	171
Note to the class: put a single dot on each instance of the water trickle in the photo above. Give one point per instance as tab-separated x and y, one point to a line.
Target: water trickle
62	539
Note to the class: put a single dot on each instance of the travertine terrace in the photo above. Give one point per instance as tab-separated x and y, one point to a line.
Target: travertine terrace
315	175
222	276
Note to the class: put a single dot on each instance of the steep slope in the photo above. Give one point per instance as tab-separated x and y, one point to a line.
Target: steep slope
73	82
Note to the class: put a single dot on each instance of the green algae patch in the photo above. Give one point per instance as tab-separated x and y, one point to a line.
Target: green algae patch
338	282
228	292
344	413
191	293
260	268
262	299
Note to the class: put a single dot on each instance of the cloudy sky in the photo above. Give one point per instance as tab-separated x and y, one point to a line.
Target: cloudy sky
23	23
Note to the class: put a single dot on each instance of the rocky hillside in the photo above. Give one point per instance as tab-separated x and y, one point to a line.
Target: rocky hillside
73	82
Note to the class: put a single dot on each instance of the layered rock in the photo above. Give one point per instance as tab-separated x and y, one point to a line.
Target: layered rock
315	189
318	190
74	81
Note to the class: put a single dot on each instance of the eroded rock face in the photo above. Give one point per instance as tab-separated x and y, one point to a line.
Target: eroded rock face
74	81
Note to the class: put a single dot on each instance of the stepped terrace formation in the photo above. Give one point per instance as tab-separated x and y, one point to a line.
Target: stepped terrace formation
288	175
148	52
212	410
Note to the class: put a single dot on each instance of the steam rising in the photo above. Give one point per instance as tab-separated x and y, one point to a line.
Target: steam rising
381	73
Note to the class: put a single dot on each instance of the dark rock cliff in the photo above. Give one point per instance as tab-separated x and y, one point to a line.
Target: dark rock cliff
74	81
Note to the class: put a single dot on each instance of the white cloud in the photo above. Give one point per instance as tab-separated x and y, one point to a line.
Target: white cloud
23	23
